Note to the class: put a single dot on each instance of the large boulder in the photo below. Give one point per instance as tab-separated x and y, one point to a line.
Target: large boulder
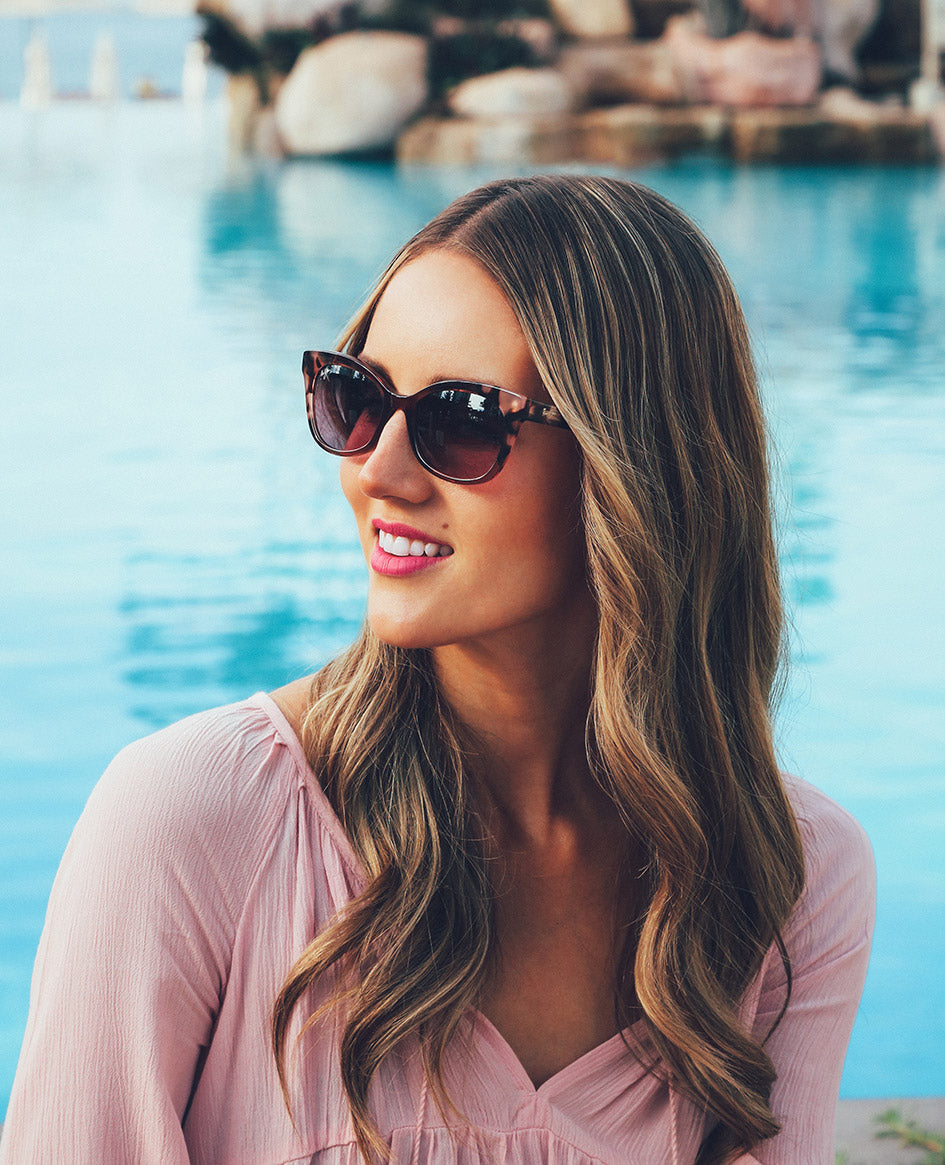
513	93
609	72
747	69
352	93
593	17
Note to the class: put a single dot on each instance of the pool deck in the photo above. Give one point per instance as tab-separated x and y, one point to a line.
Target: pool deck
857	1143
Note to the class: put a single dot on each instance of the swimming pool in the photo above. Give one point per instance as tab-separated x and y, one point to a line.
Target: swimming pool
170	538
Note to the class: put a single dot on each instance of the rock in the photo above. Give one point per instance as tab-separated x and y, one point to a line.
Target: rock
925	95
513	92
843	25
593	17
839	26
744	70
937	127
625	135
453	141
841	103
809	135
255	19
609	72
632	135
352	93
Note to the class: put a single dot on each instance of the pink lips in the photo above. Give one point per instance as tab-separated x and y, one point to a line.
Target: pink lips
397	565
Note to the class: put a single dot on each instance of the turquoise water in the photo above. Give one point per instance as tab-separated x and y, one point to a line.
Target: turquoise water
170	538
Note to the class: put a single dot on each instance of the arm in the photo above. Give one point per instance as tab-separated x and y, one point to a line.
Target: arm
828	940
129	974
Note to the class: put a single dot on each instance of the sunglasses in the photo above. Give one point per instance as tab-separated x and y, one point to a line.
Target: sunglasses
459	430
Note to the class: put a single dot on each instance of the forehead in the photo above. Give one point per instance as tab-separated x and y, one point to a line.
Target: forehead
443	316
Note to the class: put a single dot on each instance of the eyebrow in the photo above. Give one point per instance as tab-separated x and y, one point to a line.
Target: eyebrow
437	379
376	365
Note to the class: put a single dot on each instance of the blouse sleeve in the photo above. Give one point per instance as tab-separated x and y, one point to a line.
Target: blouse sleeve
134	957
828	940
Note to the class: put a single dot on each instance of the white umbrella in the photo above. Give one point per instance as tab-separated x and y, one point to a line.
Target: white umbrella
193	88
37	89
104	79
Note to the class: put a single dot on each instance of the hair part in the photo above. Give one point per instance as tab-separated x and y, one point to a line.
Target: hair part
638	335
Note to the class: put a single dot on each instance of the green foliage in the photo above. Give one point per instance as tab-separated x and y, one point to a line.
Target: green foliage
401	16
472	53
912	1136
492	9
229	46
723	17
281	47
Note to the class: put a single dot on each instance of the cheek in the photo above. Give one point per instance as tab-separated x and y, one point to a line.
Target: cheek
348	476
350	487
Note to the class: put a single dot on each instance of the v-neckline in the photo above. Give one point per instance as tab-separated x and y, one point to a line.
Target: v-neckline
483	1026
601	1053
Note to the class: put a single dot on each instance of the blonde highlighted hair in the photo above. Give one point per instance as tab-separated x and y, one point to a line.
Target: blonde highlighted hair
639	338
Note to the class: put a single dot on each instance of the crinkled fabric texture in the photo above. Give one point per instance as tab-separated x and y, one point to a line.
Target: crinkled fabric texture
205	861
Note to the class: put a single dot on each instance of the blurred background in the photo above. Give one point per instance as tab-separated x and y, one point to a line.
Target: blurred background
170	242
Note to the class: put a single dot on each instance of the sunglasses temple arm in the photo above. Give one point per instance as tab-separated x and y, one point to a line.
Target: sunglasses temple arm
544	414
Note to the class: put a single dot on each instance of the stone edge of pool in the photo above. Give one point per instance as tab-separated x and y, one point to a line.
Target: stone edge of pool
856	131
856	1136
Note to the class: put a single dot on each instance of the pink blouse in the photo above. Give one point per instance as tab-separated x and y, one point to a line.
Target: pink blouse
205	861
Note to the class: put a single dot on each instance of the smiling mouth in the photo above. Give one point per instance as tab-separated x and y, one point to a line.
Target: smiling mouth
401	547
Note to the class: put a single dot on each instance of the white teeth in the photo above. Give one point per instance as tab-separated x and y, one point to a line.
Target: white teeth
403	547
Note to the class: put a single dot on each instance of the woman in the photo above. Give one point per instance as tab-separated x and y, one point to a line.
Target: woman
516	877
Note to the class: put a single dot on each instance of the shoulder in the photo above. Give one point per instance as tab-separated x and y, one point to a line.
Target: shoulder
196	805
211	769
831	835
839	892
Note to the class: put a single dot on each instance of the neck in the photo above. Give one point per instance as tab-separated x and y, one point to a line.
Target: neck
526	700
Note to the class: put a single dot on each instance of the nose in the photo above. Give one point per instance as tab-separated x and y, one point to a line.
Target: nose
390	469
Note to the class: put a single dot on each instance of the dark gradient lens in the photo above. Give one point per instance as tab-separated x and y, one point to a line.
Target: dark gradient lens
460	432
348	408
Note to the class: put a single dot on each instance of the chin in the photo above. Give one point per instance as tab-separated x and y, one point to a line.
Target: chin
400	633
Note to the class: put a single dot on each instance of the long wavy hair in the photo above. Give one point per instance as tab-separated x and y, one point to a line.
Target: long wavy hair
639	338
